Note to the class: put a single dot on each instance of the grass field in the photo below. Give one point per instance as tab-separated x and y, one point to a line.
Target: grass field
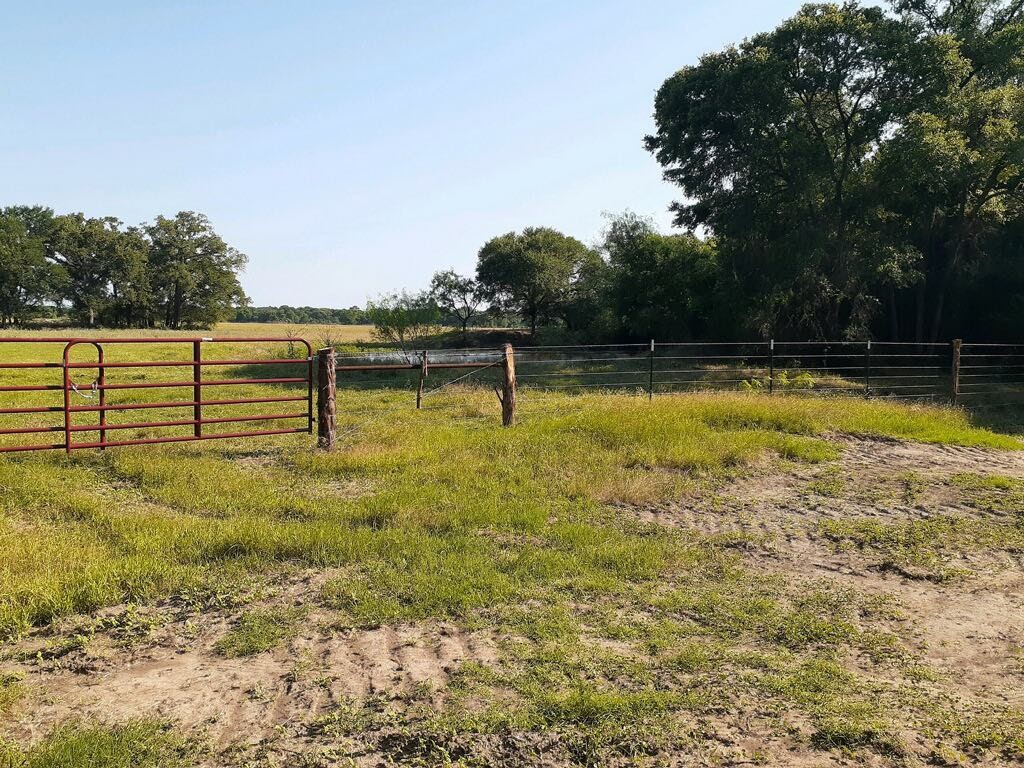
722	579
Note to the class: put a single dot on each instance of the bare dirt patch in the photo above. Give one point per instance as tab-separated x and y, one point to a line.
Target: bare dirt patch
176	674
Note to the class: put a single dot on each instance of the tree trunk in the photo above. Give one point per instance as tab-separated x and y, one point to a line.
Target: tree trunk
894	318
178	299
919	320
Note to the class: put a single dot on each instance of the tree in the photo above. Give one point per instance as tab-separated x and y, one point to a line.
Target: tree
661	286
26	279
954	174
458	296
130	301
531	272
84	249
774	144
404	319
193	272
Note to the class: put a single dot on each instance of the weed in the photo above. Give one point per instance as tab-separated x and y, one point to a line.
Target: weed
258	631
11	689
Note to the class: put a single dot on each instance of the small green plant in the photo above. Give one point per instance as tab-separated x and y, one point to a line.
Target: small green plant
258	631
829	483
11	689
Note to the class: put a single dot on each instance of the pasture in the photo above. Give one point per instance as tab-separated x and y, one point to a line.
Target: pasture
700	578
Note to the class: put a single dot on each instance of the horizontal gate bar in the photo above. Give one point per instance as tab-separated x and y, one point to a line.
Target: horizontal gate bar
183	363
31	430
182	404
208	383
20	448
410	366
182	422
183	439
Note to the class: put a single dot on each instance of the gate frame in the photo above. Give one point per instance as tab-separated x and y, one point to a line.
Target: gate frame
197	363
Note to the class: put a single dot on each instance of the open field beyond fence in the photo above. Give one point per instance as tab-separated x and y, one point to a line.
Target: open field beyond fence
723	577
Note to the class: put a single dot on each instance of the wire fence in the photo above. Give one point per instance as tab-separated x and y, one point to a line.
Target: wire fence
821	368
983	377
975	375
991	376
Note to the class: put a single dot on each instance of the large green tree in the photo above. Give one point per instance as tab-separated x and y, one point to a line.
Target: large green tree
26	278
105	268
953	173
193	272
660	286
531	272
774	143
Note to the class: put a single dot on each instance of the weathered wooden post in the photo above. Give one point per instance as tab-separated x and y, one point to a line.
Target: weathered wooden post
954	384
771	366
508	387
325	403
423	375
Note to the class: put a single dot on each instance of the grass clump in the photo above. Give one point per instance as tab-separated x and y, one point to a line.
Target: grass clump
991	493
927	548
258	631
11	689
137	744
829	483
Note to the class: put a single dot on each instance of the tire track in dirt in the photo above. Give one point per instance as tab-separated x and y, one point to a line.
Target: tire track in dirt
248	699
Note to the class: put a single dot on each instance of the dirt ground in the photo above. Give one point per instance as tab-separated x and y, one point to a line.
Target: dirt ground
969	630
162	661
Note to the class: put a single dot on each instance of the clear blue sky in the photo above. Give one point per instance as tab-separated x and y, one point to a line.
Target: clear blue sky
349	148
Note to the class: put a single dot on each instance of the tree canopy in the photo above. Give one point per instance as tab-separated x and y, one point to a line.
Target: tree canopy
175	272
458	296
852	163
531	272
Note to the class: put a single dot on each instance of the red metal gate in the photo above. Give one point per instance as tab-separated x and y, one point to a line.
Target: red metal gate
100	386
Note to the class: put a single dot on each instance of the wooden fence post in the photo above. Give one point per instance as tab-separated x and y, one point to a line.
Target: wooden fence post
325	401
954	384
508	388
423	375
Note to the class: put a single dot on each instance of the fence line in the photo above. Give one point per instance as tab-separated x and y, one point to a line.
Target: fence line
984	375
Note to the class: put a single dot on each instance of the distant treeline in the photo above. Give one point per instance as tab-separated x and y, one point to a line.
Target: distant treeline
174	272
310	315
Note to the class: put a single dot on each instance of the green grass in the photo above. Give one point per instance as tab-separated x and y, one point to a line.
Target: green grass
11	689
258	631
928	548
139	744
991	493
